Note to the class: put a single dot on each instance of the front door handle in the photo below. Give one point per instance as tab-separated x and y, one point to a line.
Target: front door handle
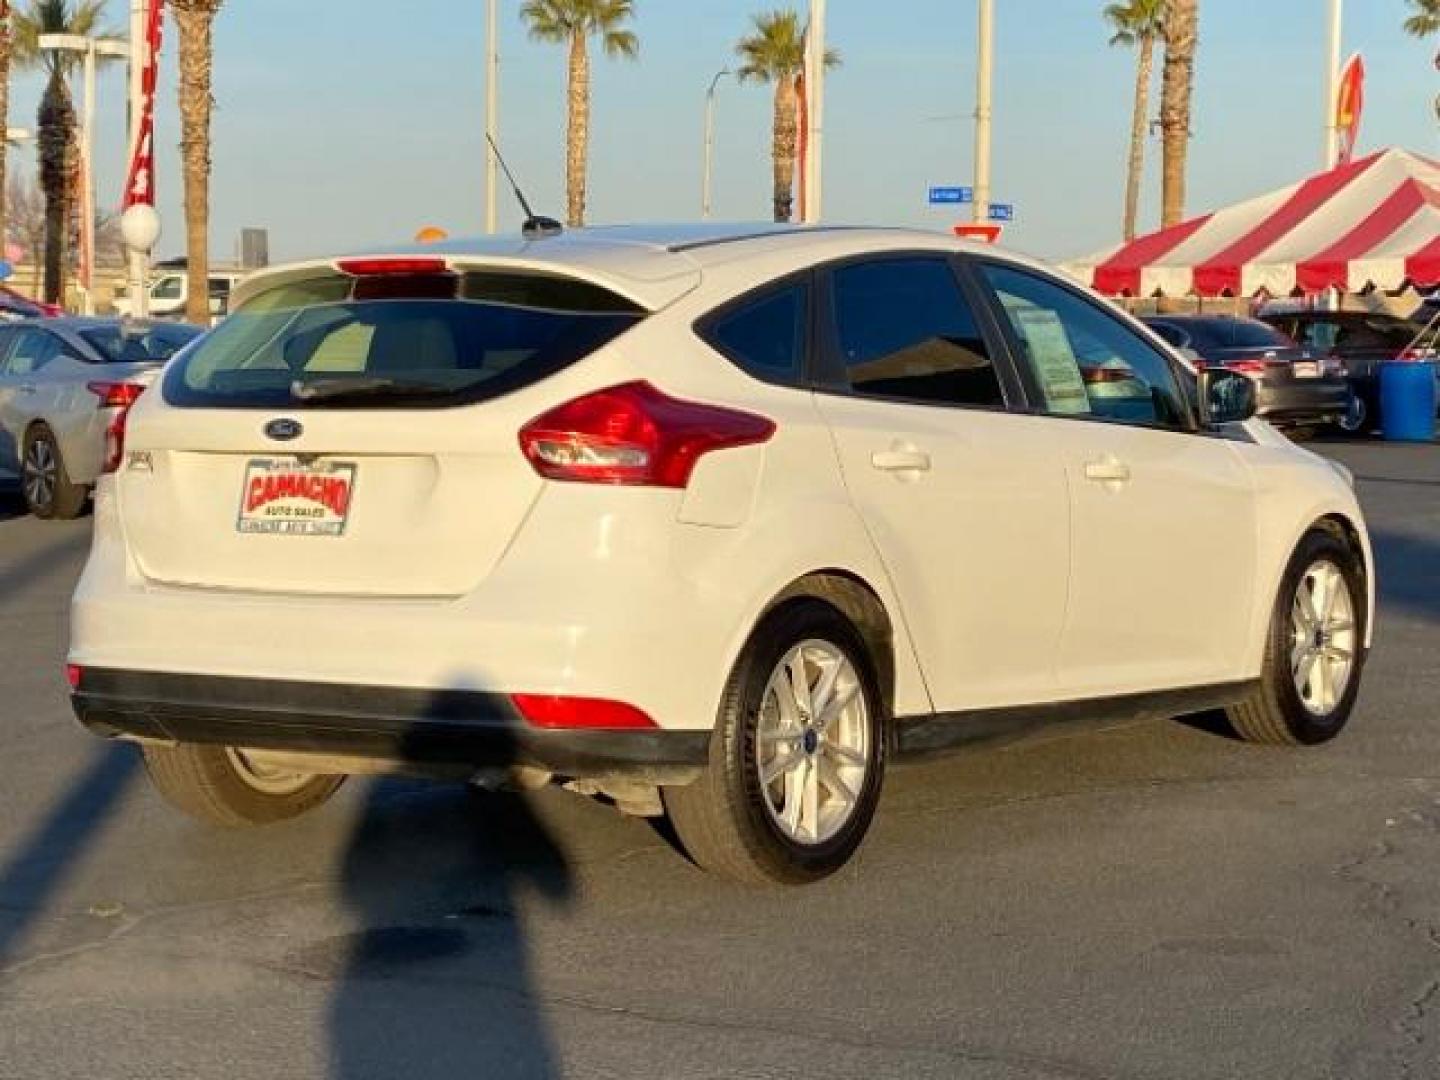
901	459
27	388
1108	470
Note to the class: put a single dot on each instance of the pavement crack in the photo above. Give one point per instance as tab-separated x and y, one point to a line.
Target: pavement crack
1416	1023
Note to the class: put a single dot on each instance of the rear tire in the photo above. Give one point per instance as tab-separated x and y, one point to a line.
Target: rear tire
1356	421
44	480
220	786
793	781
1315	650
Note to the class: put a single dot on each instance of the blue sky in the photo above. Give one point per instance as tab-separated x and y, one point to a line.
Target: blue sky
343	124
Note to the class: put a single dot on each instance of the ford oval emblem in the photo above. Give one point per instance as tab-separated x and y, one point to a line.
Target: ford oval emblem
284	430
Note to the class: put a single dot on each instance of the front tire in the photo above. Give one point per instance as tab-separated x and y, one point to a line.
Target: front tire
223	786
44	481
798	757
1315	650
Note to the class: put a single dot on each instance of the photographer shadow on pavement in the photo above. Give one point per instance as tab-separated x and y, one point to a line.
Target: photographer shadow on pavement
433	975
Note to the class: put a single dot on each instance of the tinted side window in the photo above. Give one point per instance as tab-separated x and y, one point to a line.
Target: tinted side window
905	331
33	351
766	336
1084	361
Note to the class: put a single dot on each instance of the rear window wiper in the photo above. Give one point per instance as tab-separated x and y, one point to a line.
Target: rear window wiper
331	389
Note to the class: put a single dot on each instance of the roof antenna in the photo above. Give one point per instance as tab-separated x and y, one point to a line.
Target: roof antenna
535	228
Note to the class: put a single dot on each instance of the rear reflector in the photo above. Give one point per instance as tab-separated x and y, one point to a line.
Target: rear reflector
634	434
114	395
592	714
390	267
72	675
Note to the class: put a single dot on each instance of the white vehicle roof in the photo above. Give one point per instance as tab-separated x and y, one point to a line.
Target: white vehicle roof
653	265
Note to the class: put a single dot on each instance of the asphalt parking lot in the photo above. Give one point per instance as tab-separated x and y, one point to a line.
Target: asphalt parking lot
1155	901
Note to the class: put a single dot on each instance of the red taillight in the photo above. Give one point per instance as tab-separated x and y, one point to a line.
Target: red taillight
595	714
73	672
391	267
1412	356
120	396
633	434
1248	367
115	395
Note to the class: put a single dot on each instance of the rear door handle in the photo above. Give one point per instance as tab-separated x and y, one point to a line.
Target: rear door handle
27	388
901	460
1108	470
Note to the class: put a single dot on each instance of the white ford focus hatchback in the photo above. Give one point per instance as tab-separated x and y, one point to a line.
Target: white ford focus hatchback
710	523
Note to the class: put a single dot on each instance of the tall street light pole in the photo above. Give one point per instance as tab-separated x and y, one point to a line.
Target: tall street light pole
815	106
708	183
492	112
1332	85
89	48
984	79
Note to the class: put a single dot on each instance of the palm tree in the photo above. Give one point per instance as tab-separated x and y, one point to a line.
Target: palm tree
573	22
775	53
59	149
1182	34
1426	20
1137	23
196	20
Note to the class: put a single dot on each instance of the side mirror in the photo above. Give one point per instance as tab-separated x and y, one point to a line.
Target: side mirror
1226	397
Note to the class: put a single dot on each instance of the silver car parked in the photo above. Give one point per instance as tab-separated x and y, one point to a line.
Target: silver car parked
65	387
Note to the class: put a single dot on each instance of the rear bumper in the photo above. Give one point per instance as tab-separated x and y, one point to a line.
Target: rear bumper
442	732
1321	401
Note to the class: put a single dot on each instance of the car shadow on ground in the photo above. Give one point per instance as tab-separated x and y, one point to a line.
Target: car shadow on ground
433	975
12	504
1408	572
35	874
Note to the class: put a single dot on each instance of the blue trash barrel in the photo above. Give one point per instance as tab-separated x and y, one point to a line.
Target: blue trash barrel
1407	400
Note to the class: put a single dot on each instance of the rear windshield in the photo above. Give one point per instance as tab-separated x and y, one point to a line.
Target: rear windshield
411	341
155	345
1253	334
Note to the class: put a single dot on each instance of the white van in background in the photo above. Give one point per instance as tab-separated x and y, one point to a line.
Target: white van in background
170	293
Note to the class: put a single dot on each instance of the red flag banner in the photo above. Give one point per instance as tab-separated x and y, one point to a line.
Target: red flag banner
140	178
1349	105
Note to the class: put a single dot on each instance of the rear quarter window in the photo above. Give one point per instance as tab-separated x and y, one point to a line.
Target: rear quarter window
432	340
765	335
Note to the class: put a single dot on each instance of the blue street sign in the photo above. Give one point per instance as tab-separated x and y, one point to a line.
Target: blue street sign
1002	212
940	196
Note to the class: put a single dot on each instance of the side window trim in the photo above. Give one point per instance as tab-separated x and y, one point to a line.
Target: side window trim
1035	400
703	327
831	376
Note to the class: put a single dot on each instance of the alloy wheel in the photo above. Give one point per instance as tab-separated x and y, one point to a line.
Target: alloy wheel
39	472
265	777
1323	638
812	746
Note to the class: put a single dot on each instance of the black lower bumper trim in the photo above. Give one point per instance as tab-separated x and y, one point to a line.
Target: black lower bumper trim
443	731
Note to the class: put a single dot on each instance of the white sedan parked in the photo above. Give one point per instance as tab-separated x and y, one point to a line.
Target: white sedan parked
65	387
710	522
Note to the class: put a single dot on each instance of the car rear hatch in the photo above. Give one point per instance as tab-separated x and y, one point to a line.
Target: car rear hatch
355	433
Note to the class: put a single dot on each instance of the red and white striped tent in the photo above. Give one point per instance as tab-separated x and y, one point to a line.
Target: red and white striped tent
1373	222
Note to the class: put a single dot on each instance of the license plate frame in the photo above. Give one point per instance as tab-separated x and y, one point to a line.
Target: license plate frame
285	496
